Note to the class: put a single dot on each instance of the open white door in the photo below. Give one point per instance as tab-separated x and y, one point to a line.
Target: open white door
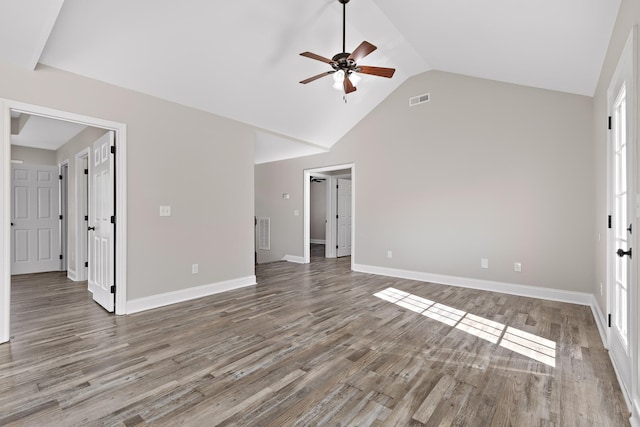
35	234
344	217
102	222
622	251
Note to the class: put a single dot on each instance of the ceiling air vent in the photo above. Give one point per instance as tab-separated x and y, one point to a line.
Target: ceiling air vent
420	99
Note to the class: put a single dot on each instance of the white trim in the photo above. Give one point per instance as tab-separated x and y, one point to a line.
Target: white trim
80	222
307	207
71	275
485	285
6	106
161	300
5	222
626	70
295	259
318	241
634	420
63	208
601	321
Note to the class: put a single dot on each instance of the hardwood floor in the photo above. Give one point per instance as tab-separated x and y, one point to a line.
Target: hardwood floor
311	344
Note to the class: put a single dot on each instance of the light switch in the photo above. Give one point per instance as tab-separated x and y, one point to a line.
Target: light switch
165	210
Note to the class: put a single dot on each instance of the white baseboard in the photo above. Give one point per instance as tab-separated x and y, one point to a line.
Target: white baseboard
485	285
635	414
601	321
318	241
293	258
71	274
161	300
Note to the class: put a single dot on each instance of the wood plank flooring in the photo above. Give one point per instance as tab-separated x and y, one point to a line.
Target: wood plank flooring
309	345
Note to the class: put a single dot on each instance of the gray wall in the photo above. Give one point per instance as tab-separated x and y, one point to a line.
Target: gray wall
177	156
33	156
485	170
318	214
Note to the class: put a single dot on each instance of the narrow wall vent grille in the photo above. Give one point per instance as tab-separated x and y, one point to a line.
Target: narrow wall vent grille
264	234
420	99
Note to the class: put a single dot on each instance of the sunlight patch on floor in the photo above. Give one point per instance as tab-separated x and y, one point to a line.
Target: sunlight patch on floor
524	343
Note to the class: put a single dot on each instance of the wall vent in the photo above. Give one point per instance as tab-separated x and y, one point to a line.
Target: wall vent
420	99
264	234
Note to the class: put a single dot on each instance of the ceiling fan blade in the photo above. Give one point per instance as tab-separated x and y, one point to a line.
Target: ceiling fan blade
316	57
361	51
376	71
319	76
348	86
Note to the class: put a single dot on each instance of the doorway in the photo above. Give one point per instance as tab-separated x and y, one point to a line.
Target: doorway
622	250
119	130
331	174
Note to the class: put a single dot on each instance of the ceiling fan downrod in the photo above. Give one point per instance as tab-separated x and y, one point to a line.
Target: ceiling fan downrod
344	24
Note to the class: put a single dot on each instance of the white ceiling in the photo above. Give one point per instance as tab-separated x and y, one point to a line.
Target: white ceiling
45	133
239	59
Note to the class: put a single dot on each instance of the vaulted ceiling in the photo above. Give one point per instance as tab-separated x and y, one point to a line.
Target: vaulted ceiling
240	59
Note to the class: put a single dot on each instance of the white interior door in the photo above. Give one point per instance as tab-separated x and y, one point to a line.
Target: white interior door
35	233
102	229
344	217
621	250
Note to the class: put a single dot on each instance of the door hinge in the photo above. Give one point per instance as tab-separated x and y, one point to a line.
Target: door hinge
609	320
337	216
60	177
337	247
609	123
86	217
86	171
86	263
60	216
113	289
60	256
113	149
113	219
609	222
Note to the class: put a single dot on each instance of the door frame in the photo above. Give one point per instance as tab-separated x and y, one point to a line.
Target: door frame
327	219
628	58
81	246
63	170
120	129
307	207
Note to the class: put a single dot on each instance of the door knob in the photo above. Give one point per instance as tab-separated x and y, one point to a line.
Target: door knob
93	228
622	253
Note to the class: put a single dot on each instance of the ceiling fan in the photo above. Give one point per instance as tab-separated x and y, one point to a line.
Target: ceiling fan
345	64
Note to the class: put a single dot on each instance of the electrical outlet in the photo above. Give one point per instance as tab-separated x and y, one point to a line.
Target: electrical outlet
389	254
296	213
517	266
194	268
484	263
165	210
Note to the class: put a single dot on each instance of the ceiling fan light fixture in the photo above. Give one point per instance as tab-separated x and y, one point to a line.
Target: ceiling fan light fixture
355	78
338	79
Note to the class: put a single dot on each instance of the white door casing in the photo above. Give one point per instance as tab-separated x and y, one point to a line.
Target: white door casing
6	107
344	218
101	212
622	251
35	230
351	167
82	214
